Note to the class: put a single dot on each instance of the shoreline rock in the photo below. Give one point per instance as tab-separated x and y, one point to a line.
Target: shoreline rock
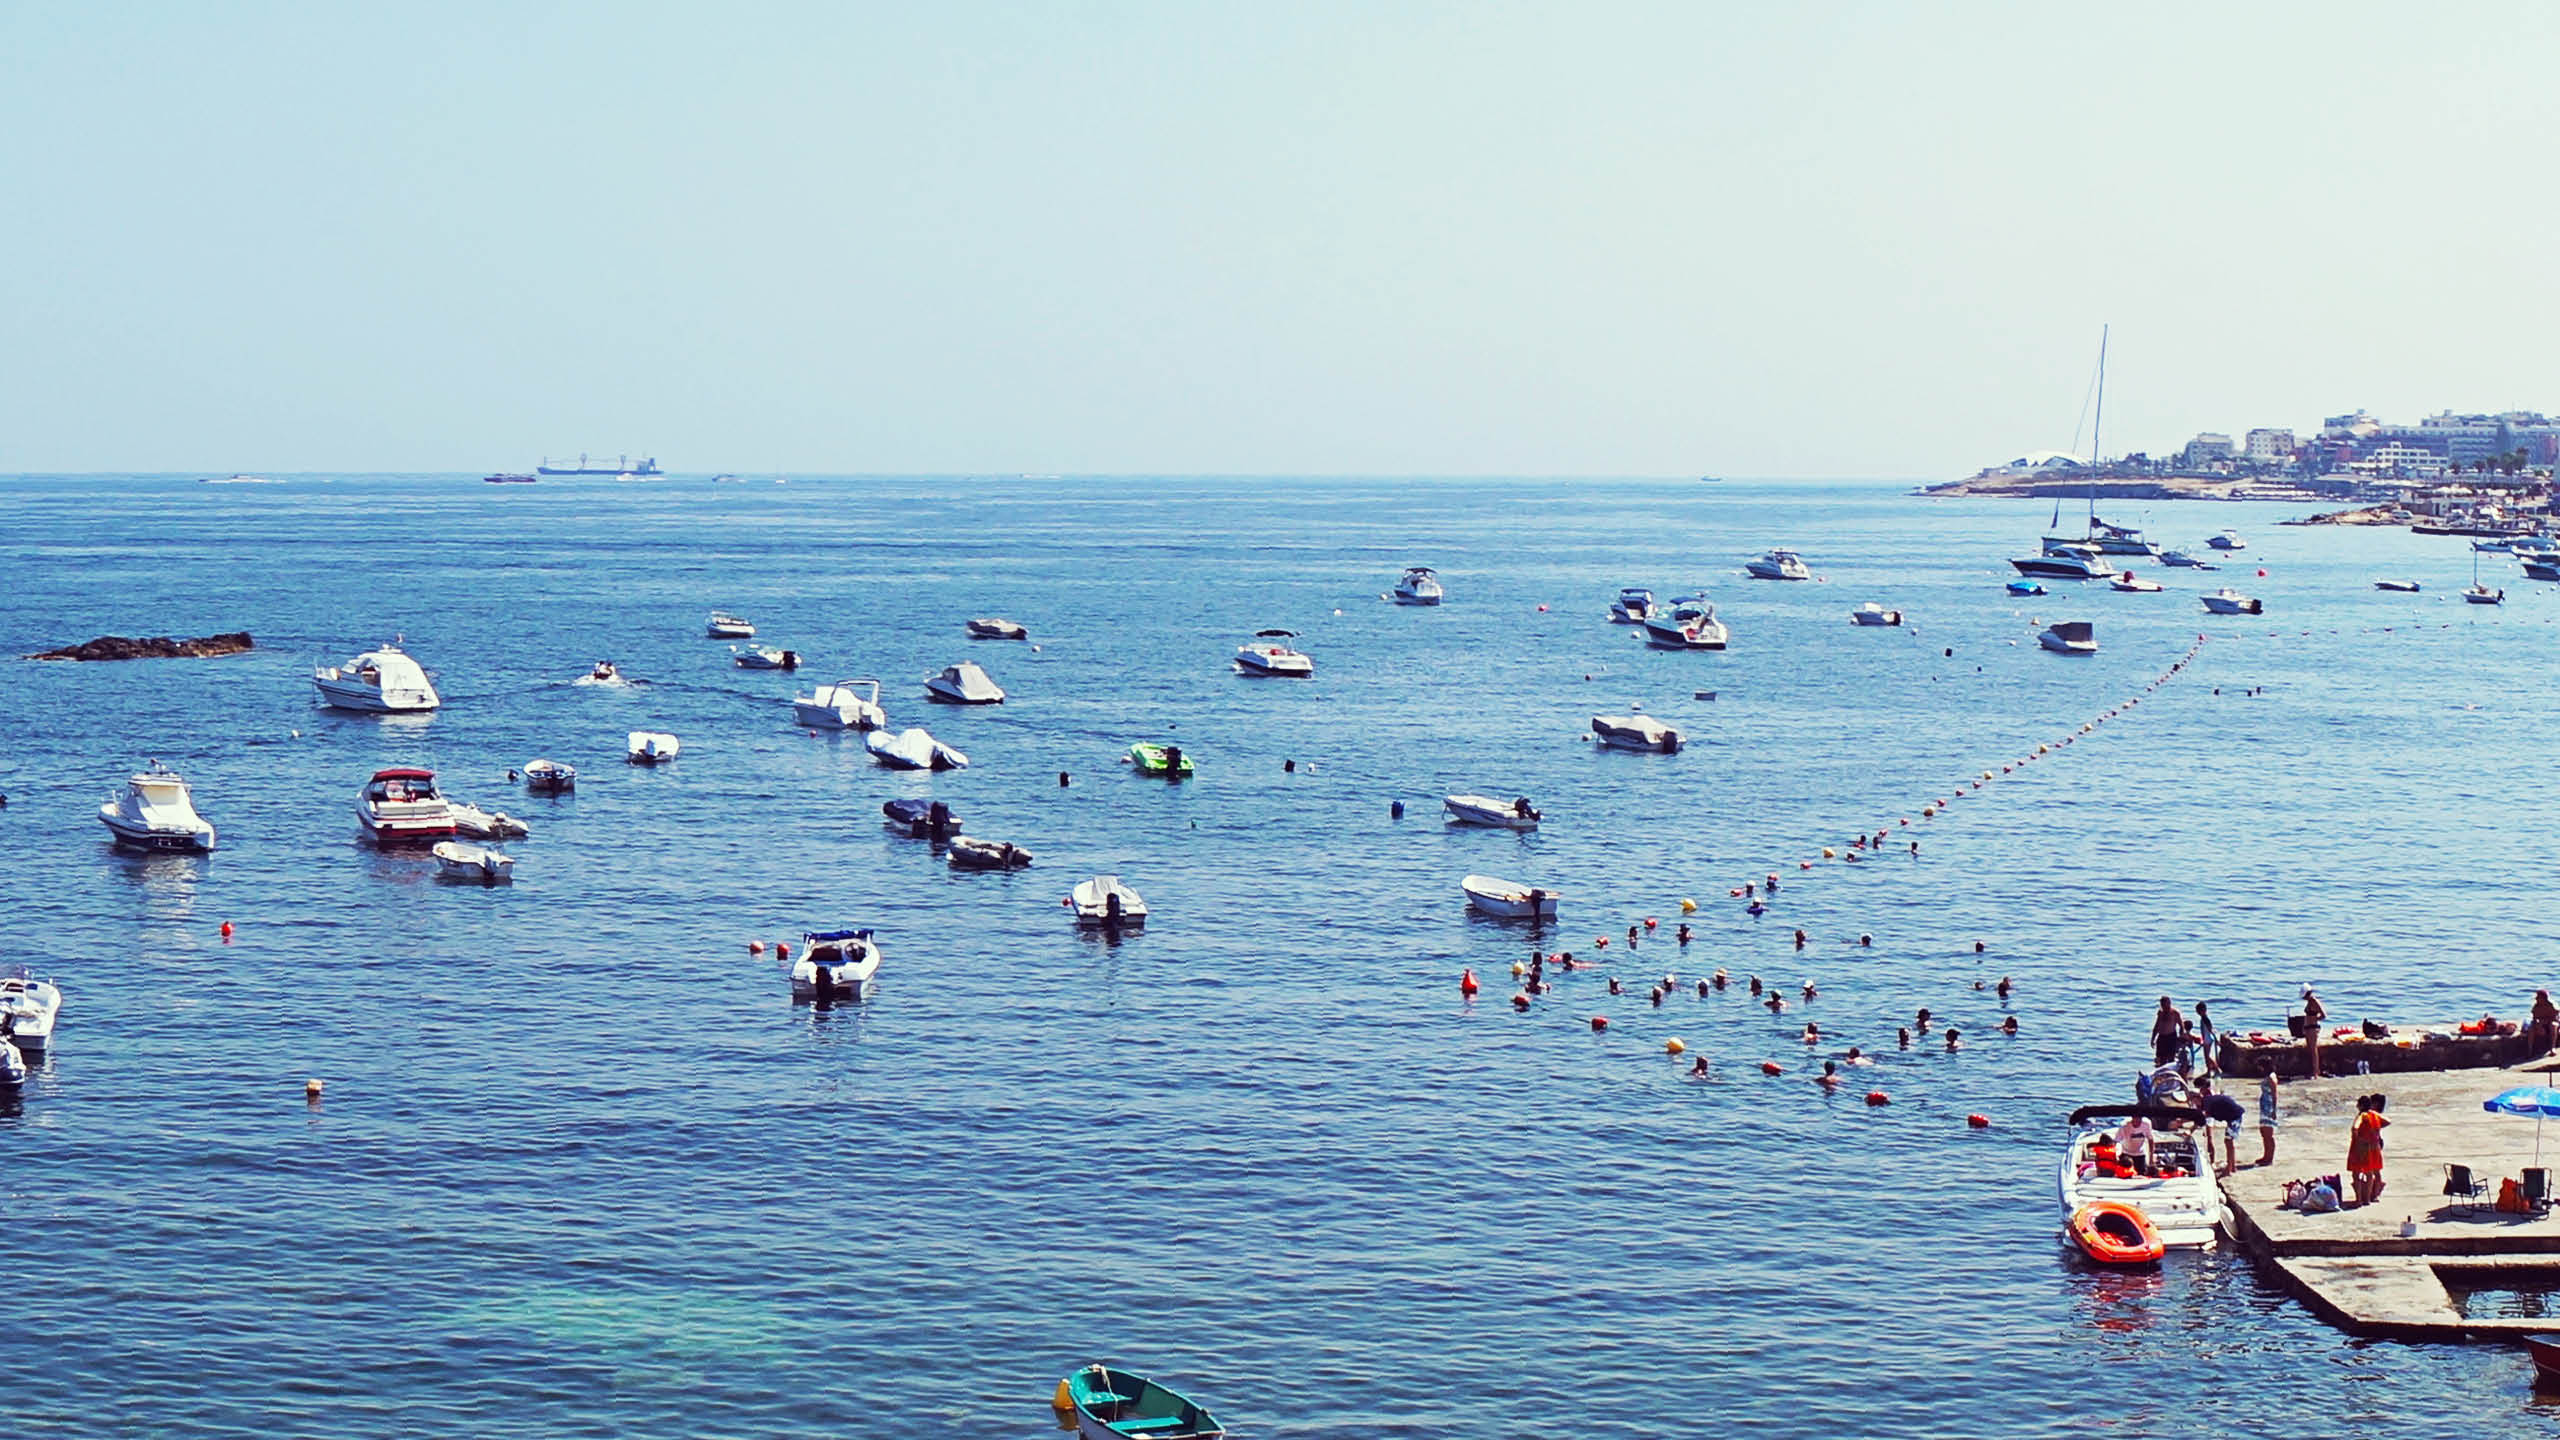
157	647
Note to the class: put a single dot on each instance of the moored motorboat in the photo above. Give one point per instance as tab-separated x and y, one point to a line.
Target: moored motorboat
2111	1232
2025	587
1777	565
835	965
2227	601
2542	569
921	819
1516	814
2066	562
2404	587
1165	762
2182	560
381	681
603	672
1509	901
2483	595
156	811
402	804
725	626
28	1007
764	657
963	684
997	629
549	777
479	824
2227	541
1635	732
2070	637
1419	585
1103	900
1270	657
1633	604
845	705
1687	623
651	747
1871	613
462	860
969	854
1113	1404
2133	584
2179	1197
912	749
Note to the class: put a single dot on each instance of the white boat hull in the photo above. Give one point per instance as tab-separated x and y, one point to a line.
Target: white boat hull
347	695
1092	901
1286	664
2187	1210
1635	733
477	864
1502	899
1487	811
912	749
27	1010
196	839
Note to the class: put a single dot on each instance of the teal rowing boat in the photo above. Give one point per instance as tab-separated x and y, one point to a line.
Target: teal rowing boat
1114	1404
1165	761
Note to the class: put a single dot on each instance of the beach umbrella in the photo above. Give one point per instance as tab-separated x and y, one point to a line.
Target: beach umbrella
2534	1100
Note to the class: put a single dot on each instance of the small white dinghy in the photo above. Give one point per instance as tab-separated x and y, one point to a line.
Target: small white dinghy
479	824
550	777
27	1008
1509	901
156	812
651	747
1103	900
968	854
725	626
2405	587
764	657
1485	810
1872	613
1269	657
992	628
845	705
1635	732
912	749
2132	584
478	864
963	684
2227	601
835	965
2070	637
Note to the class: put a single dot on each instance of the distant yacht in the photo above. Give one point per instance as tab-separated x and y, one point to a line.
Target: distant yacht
2066	562
596	466
1778	565
237	480
506	479
383	680
1419	586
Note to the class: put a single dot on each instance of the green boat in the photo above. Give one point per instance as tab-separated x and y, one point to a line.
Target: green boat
1166	761
1113	1404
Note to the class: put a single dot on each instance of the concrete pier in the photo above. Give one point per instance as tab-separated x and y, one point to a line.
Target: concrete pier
2354	1268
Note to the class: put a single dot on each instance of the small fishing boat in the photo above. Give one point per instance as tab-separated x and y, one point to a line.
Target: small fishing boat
995	629
155	811
921	819
2111	1232
1633	605
477	864
2025	587
2180	1198
2133	584
968	854
1687	623
912	749
2404	587
725	626
403	805
2227	541
835	965
1507	900
764	657
2070	637
1165	762
27	1010
963	684
651	747
479	824
1103	900
1635	732
845	705
1872	613
1419	585
549	777
2483	595
381	681
1273	658
1485	810
1777	565
1113	1404
2227	601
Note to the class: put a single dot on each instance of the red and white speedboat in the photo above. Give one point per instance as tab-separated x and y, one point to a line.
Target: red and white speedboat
404	805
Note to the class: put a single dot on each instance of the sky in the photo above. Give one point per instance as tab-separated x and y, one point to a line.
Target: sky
1819	239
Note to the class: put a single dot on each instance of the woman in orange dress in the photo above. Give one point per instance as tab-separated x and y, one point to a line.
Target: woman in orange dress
2364	1151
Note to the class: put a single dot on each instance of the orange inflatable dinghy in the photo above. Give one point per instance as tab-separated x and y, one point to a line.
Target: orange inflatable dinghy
2113	1233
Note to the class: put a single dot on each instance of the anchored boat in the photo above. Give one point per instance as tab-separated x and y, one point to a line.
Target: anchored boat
1485	810
1509	901
1635	732
2070	637
1419	585
403	805
381	681
835	965
1113	1404
478	864
1165	762
1103	900
963	684
155	812
845	705
2179	1197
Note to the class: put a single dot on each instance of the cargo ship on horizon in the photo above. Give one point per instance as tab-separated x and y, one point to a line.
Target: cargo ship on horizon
621	466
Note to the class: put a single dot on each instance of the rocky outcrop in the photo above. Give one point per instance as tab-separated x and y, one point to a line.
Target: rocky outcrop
158	647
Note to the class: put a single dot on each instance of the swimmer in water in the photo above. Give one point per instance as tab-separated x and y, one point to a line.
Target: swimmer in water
1830	1076
1921	1023
2009	1026
1777	1005
1721	979
1699	1068
1683	936
2002	989
1902	1037
1812	1033
1799	939
1755	984
1809	991
1954	1043
1859	1057
1613	986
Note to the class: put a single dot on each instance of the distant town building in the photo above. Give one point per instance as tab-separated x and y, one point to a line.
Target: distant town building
2392	458
2357	426
2205	449
2269	445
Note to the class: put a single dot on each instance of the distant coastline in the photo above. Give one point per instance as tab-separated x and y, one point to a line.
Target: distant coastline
2017	485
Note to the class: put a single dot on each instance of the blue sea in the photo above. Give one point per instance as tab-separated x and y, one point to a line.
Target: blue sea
582	1168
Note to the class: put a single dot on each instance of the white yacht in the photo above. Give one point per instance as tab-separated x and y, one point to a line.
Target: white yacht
2070	637
764	657
1778	565
1103	900
2185	1207
481	824
725	626
963	684
1872	613
381	681
156	812
2227	601
912	749
1687	623
2227	541
462	860
835	965
1633	605
1635	732
845	705
2184	561
651	747
1269	657
1510	901
27	1010
1420	585
2067	562
1516	814
403	804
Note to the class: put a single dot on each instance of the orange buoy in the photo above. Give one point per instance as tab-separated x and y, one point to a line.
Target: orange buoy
755	947
1652	924
1978	1122
226	929
1878	1097
1674	1047
781	949
1466	982
1519	1002
1599	1022
1772	1067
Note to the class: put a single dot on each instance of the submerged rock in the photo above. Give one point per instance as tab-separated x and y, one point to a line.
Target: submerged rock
157	647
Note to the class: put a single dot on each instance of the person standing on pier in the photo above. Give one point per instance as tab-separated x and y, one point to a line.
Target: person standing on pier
2223	1111
2164	1034
2267	1115
2546	1024
2314	1015
2364	1150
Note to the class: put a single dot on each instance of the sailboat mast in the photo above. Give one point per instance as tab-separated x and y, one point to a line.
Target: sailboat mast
2100	423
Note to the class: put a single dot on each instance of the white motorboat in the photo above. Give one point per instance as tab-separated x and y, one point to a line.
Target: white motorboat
2494	547
1269	657
1872	613
2404	587
912	749
1687	623
549	777
835	965
968	854
1635	732
603	672
2483	595
2227	601
1633	605
381	681
156	812
462	860
725	626
996	629
2133	584
2067	562
1420	585
2185	1207
2184	561
652	747
764	657
845	705
2227	541
2070	637
402	804
1511	902
479	824
1103	900
27	1010
2107	539
1777	565
1485	810
963	684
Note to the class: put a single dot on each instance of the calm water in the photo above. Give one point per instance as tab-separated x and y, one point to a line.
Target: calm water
584	1170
